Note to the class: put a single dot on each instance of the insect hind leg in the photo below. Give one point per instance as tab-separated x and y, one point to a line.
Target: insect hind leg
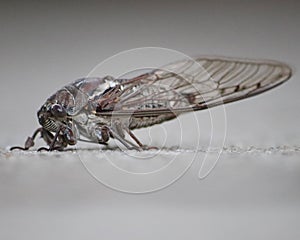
142	146
115	133
120	135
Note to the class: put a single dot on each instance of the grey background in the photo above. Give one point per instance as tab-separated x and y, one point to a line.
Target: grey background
251	194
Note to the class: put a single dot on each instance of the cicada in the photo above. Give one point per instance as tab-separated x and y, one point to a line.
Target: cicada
96	109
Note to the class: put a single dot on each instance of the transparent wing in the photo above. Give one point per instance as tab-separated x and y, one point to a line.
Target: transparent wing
197	84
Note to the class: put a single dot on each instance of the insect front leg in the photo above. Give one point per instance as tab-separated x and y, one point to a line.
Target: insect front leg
29	141
62	138
51	140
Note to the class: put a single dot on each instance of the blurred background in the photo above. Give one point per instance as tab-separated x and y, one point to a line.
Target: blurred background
250	194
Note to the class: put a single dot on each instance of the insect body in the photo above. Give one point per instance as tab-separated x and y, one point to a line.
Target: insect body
97	109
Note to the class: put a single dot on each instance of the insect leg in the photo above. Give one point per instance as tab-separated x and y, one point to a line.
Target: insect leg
102	134
134	137
51	141
124	141
90	141
144	147
29	141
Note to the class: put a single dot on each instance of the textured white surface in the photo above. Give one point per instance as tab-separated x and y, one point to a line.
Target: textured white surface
248	195
253	193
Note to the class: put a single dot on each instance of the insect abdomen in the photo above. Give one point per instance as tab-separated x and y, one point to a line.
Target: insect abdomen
141	122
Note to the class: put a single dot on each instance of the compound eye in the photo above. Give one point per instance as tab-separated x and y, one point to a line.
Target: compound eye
58	111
